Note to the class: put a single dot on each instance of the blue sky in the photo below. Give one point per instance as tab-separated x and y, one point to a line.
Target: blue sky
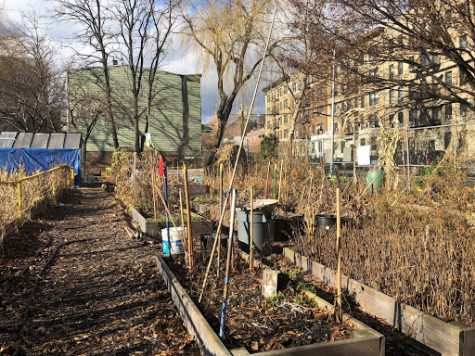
179	60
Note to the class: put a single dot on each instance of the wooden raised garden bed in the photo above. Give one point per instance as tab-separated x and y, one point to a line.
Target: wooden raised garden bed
153	228
446	338
303	328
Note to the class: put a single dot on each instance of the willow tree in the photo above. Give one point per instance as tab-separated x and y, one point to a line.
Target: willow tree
229	34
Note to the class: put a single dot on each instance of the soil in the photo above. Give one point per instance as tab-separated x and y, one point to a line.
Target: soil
74	282
396	342
252	321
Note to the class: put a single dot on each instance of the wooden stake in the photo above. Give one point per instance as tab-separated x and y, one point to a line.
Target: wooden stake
182	215
339	307
280	178
221	191
251	232
266	190
188	217
153	189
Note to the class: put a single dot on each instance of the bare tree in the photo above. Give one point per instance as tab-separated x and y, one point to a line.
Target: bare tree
422	35
85	109
303	57
94	20
228	32
31	85
144	33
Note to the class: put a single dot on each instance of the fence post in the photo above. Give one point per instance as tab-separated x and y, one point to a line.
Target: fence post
53	192
19	205
73	180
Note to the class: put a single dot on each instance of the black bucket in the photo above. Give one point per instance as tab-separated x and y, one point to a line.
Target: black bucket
208	241
328	221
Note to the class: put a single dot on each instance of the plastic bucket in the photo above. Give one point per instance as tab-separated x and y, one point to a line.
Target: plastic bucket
263	231
176	234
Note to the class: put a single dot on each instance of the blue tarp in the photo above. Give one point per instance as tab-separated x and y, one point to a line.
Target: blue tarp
40	159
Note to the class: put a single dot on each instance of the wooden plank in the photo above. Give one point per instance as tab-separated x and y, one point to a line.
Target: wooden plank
359	345
194	321
467	342
365	341
443	337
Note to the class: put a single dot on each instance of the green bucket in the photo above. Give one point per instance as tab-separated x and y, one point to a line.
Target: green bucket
375	176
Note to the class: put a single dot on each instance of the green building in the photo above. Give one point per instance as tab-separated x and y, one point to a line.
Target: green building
174	119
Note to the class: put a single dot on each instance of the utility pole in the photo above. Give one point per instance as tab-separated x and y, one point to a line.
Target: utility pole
332	154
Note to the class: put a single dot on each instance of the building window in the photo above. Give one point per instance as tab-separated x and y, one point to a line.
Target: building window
463	41
447	139
463	109
400	118
448	78
412	117
286	119
462	78
391	96
363	142
392	71
373	98
400	93
373	121
435	115
286	133
342	147
374	143
286	104
362	101
412	66
400	68
320	146
448	111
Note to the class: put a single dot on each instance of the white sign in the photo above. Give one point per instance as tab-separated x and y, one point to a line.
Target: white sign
363	153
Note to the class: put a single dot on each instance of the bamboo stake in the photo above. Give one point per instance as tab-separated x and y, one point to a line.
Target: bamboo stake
221	189
274	188
254	95
188	217
266	190
182	215
251	232
339	308
228	266
280	178
152	161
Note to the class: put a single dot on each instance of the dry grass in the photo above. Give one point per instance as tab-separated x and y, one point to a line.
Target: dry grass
34	191
416	246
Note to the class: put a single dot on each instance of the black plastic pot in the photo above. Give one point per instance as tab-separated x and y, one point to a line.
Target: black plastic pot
328	222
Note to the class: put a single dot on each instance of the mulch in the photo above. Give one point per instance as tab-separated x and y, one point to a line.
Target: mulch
252	321
74	282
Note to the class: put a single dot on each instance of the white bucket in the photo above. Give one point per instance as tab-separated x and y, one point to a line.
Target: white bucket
176	234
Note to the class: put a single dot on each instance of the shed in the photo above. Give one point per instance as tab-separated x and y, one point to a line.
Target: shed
40	151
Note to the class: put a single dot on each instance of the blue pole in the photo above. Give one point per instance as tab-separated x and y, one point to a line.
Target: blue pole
228	266
167	223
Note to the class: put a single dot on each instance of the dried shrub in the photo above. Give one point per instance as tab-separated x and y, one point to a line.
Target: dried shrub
415	246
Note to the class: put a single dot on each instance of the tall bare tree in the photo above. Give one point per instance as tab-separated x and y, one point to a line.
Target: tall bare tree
421	35
144	32
31	86
95	31
228	33
303	58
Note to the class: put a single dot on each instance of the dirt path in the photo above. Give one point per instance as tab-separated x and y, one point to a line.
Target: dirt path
87	288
